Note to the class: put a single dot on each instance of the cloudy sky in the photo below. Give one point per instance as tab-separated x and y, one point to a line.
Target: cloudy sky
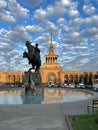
75	32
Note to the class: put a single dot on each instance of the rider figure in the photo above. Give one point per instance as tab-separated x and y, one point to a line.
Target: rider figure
37	50
37	53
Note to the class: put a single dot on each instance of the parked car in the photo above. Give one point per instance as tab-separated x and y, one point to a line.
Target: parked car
81	85
65	85
95	84
72	85
53	85
77	86
49	86
95	87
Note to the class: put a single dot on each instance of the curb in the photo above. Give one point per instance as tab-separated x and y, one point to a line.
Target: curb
68	122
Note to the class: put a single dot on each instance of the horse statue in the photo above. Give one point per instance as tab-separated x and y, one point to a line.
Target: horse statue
32	80
33	56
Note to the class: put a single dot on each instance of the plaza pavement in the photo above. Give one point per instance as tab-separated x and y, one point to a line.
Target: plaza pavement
40	117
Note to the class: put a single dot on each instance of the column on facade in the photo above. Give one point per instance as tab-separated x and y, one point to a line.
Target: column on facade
51	59
55	59
46	59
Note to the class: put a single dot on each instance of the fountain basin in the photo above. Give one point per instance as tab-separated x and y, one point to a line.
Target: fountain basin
50	95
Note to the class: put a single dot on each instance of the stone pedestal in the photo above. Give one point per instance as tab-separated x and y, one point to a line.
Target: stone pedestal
32	83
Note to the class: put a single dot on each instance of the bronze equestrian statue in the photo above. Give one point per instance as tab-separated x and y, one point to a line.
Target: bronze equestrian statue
33	56
32	81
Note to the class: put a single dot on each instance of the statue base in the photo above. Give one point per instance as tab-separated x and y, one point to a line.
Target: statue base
32	83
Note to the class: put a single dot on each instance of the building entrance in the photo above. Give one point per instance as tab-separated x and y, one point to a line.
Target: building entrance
51	79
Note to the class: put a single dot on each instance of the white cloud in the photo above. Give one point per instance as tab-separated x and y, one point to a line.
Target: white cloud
61	22
89	21
75	34
34	29
11	11
73	38
17	10
73	13
56	10
40	15
43	39
5	16
13	38
96	38
3	32
4	46
65	2
18	34
3	4
89	9
30	3
90	32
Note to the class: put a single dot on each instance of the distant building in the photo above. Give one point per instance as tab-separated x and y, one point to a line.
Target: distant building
51	73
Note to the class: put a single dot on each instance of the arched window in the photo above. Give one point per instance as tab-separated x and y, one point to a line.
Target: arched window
71	78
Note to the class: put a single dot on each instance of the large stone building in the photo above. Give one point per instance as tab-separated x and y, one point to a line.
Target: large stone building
51	73
11	77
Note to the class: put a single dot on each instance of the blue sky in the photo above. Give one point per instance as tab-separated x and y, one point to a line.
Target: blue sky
75	32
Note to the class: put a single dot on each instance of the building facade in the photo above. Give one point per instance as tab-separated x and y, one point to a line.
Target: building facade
11	77
52	73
